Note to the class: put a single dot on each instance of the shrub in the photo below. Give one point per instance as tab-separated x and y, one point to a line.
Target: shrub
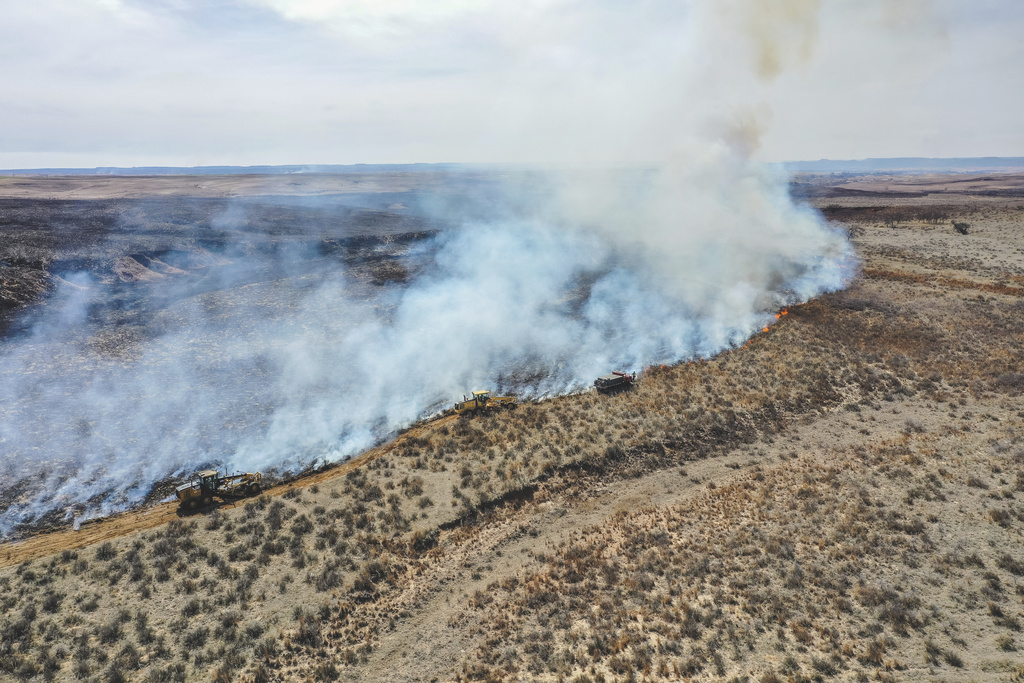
239	553
413	487
106	551
129	657
253	630
172	673
216	518
51	602
423	540
114	673
953	659
191	608
1006	643
1000	517
325	671
196	638
266	649
1010	564
260	674
301	526
309	632
1012	382
327	579
109	632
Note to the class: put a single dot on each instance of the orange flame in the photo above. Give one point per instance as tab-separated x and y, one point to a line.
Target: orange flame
765	329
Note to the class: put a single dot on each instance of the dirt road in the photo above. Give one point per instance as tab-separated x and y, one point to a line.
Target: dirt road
124	523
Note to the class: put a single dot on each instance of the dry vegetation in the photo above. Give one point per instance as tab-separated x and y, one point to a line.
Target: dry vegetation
839	499
865	562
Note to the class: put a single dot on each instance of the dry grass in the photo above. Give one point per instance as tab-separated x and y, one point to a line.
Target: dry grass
837	499
953	283
823	566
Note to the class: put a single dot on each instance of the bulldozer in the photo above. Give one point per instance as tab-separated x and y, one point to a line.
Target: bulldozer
483	401
208	484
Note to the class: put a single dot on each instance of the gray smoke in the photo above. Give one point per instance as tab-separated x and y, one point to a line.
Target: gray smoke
317	366
557	277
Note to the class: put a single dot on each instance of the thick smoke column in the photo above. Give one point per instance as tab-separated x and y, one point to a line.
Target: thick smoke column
574	272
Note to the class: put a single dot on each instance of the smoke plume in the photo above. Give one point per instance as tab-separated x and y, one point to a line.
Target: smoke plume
547	280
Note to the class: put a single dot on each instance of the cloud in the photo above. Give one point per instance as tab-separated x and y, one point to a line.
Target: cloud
375	16
892	78
264	81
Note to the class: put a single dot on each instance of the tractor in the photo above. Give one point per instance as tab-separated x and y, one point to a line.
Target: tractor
201	491
483	401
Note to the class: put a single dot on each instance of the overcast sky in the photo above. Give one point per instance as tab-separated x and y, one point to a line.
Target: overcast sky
88	83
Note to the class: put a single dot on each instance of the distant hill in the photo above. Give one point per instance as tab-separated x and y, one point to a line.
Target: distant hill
893	165
232	170
908	165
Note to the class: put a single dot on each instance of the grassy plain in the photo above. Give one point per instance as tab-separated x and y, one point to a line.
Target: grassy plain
836	500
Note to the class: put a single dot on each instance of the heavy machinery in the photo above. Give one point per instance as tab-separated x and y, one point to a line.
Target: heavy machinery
483	401
615	381
200	491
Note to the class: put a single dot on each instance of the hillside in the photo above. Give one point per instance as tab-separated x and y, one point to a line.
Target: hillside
836	499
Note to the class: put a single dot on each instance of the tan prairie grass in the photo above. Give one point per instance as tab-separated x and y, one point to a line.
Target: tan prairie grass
816	568
954	283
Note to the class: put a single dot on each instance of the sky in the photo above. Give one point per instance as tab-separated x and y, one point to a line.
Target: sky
87	83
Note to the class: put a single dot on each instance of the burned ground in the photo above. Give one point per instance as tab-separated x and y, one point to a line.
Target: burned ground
139	248
837	499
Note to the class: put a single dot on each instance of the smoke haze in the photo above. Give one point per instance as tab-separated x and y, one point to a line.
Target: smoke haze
664	242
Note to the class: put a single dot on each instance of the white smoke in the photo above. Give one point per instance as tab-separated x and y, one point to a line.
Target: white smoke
570	274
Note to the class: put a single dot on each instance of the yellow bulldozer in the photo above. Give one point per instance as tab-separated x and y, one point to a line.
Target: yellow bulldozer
483	401
209	484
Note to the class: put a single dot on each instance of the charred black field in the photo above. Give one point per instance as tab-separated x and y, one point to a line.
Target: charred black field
139	248
128	265
837	498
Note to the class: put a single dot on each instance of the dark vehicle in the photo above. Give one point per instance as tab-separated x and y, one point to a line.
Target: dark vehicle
616	380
